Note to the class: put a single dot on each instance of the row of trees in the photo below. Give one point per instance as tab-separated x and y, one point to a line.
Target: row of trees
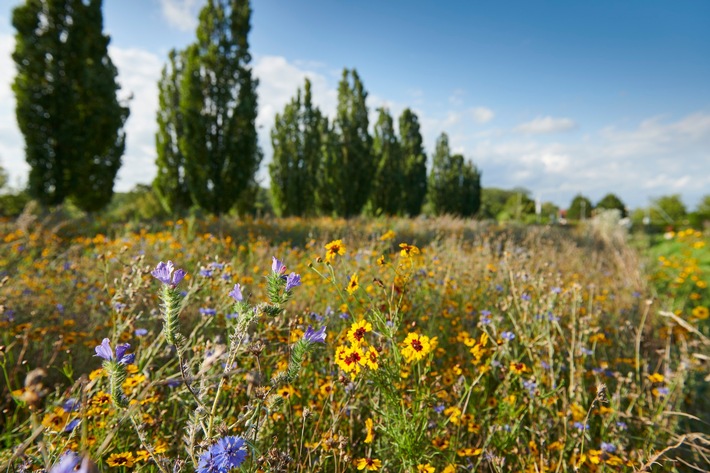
324	167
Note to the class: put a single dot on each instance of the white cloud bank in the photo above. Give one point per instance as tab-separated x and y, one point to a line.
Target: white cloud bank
181	14
541	125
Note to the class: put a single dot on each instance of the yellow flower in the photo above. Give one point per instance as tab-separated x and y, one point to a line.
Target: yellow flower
701	313
353	284
370	427
369	464
387	236
656	378
518	368
371	356
56	420
408	250
287	391
142	455
381	261
415	347
449	469
349	359
425	468
357	332
469	452
121	459
334	248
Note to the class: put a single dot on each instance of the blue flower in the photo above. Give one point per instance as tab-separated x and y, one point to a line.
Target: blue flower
608	447
507	336
67	462
70	405
208	311
579	426
293	280
525	297
207	273
315	336
230	452
140	332
72	425
167	274
209	463
236	293
104	351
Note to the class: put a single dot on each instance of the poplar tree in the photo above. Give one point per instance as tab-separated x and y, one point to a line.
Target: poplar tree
454	183
296	141
67	109
170	183
218	104
348	170
415	177
388	187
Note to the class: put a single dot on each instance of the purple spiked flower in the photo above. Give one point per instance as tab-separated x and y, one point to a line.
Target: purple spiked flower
236	293
104	351
277	267
315	336
293	280
167	274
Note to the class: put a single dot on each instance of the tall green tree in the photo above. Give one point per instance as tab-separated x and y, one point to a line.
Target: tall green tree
296	141
612	202
218	104
170	183
415	178
67	107
349	167
454	183
668	210
580	208
387	192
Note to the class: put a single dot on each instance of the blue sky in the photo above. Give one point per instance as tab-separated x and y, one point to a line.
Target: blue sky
557	97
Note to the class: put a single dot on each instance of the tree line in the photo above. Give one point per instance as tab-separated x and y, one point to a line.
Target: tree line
206	144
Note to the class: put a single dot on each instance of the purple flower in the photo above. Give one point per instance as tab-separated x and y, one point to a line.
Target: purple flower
70	405
580	426
140	332
507	336
67	462
206	273
209	463
277	267
608	447
525	297
293	280
531	386
236	293
207	311
556	290
315	336
229	452
104	351
439	409
72	425
167	274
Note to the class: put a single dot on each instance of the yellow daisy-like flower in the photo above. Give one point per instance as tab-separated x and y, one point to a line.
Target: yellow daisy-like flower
121	459
287	391
387	236
56	420
370	427
449	469
369	464
334	248
371	356
656	378
518	368
469	452
353	284
408	250
142	456
415	347
357	332
701	313
425	468
381	261
349	359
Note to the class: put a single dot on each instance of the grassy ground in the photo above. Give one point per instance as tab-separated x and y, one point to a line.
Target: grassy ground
450	346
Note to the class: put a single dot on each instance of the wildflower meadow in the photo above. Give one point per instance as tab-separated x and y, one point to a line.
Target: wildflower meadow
391	345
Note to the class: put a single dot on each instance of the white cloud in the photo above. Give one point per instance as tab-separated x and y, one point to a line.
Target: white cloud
456	97
548	124
181	14
482	114
138	75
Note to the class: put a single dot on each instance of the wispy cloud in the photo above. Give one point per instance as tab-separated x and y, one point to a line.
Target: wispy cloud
482	114
181	14
541	125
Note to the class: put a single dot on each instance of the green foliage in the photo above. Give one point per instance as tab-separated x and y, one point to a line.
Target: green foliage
414	157
701	215
388	187
611	202
519	206
218	104
67	108
171	180
348	163
3	178
454	184
12	204
668	210
140	204
296	140
580	208
493	201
